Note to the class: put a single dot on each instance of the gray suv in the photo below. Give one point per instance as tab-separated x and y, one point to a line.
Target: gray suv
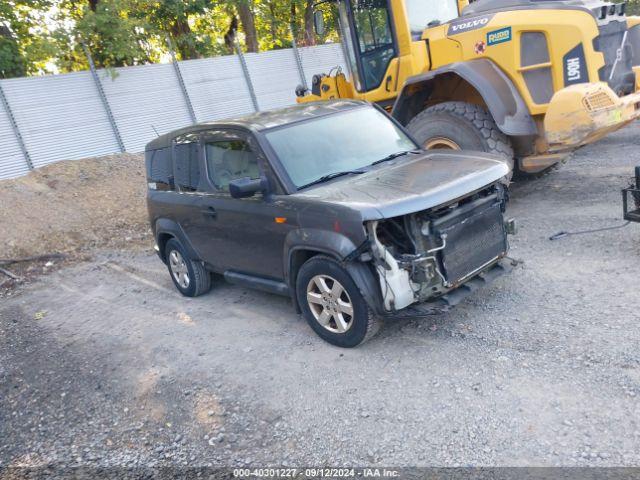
332	204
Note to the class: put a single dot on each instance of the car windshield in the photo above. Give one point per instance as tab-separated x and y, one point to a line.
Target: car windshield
332	144
422	12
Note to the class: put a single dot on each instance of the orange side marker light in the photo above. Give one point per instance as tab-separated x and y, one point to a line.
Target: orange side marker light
281	219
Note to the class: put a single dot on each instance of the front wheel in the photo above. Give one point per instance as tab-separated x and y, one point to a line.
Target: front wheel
460	126
332	304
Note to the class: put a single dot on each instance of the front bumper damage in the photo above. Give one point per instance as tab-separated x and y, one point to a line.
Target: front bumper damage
428	262
448	301
584	113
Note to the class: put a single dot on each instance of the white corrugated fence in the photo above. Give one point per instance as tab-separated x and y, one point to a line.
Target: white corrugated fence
66	117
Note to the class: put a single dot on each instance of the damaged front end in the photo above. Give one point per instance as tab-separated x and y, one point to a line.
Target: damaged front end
426	255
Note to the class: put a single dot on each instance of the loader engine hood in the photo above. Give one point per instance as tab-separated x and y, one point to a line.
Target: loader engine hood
618	45
411	184
482	6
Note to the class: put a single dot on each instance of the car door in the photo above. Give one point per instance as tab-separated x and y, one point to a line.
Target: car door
190	185
245	235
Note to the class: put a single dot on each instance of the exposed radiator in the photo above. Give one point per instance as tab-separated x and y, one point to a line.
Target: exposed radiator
474	238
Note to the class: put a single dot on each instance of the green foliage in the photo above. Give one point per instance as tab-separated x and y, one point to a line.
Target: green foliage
50	36
12	63
47	36
171	21
114	37
24	41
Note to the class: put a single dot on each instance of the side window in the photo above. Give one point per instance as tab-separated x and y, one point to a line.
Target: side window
186	163
375	39
229	159
159	169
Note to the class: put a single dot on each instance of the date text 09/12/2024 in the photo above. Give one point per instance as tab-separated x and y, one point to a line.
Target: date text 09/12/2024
315	473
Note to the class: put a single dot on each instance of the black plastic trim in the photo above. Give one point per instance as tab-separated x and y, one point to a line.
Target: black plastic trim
257	283
170	227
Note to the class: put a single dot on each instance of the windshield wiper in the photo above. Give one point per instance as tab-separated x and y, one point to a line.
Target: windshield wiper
394	156
331	176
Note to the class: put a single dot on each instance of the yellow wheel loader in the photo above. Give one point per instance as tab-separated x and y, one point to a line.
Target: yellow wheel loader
529	79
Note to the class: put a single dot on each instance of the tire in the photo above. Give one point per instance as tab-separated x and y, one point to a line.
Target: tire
467	126
198	279
354	329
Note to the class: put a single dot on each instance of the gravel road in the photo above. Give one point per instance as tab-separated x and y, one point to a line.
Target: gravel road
103	363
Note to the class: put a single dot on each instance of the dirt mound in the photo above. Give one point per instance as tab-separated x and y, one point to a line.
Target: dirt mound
75	206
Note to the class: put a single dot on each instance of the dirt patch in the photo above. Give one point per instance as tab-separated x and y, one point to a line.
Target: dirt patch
75	206
208	410
147	385
23	273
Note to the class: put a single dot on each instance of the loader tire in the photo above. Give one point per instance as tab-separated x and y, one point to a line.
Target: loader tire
460	126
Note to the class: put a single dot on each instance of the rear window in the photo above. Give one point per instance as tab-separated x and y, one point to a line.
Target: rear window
186	163
159	168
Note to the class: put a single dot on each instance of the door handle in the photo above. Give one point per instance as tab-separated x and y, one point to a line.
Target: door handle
210	212
387	82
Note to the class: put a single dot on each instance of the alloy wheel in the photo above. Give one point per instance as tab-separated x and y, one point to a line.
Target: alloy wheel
330	303
179	269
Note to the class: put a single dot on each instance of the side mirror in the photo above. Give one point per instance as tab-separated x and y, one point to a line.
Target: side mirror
246	187
318	22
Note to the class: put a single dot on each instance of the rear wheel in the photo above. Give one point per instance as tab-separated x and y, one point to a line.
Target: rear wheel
460	126
332	304
188	275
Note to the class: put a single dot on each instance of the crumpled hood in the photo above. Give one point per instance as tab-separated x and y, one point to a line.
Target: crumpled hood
412	183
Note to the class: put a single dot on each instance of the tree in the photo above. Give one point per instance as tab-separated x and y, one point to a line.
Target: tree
309	31
172	19
41	36
24	40
114	36
247	19
303	24
12	62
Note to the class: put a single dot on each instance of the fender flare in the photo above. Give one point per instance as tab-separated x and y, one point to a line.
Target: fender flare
368	285
333	244
505	103
170	227
338	247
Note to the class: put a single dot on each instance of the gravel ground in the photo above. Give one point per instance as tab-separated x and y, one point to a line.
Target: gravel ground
103	363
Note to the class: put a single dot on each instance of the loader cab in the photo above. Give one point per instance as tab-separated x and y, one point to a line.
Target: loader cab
375	32
369	40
